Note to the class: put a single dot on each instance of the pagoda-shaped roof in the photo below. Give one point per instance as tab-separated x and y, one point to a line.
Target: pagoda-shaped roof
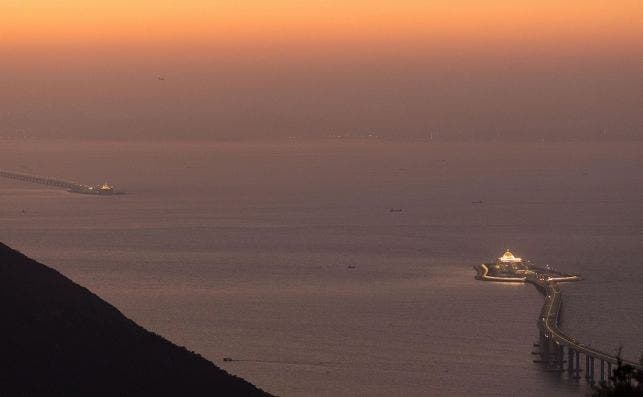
508	257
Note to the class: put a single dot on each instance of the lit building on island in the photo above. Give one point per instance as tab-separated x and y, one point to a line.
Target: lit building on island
106	189
514	269
510	262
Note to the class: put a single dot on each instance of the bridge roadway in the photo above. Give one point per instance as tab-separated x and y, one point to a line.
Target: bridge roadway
548	323
553	340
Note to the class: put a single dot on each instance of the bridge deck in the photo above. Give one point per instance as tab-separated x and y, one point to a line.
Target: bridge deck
73	187
42	180
548	321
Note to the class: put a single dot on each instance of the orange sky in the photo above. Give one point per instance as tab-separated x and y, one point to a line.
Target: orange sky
35	22
280	67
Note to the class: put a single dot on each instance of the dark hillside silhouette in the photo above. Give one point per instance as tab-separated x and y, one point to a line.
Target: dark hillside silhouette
58	338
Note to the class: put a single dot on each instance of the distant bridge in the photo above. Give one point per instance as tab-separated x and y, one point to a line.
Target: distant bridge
41	180
74	187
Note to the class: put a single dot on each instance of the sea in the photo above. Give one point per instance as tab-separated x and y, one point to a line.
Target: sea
344	267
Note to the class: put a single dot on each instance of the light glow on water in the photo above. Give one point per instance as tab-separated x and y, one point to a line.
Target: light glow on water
243	250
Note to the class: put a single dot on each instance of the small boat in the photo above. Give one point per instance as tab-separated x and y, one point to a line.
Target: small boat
395	210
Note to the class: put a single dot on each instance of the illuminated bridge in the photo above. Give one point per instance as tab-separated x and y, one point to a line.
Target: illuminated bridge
74	187
555	344
558	351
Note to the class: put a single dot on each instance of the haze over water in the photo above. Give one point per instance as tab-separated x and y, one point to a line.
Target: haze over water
464	69
263	144
285	255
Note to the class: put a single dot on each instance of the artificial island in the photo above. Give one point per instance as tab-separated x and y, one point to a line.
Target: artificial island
557	350
513	269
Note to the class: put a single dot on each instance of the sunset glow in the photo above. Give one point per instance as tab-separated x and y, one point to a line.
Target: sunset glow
300	191
36	22
288	67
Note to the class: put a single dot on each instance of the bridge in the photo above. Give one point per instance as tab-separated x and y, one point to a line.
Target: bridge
70	186
555	343
40	180
559	351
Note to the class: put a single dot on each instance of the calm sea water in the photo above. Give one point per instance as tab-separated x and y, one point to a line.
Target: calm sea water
286	257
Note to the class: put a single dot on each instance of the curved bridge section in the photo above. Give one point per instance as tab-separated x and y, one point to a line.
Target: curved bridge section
558	351
555	343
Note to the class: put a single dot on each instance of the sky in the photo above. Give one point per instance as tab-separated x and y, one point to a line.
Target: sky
275	68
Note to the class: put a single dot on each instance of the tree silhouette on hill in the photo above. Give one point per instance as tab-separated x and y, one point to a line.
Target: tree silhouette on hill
625	381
